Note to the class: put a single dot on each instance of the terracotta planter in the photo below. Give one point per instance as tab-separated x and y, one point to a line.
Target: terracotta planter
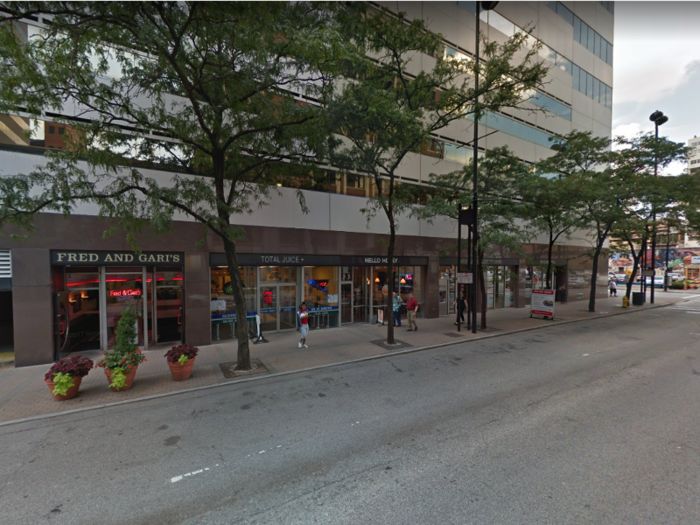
72	391
181	372
129	379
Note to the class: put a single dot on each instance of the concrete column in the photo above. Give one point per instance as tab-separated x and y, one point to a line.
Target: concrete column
197	297
32	306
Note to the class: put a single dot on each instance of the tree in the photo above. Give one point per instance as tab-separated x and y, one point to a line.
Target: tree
501	179
554	207
650	196
210	92
584	162
391	106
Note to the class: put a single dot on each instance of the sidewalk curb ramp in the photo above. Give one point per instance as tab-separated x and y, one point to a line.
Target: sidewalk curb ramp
320	367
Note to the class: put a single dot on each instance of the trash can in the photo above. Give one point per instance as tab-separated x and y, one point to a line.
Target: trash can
637	298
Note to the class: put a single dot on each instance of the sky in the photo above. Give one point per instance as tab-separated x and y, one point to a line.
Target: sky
657	66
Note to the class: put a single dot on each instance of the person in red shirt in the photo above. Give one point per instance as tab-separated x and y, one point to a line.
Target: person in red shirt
412	308
304	322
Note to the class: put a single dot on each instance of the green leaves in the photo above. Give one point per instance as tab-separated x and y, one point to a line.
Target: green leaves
175	86
62	382
118	379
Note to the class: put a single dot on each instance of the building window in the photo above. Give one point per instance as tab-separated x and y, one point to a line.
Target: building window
52	130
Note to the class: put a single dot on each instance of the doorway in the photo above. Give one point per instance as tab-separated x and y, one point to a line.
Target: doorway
88	311
277	307
6	323
354	294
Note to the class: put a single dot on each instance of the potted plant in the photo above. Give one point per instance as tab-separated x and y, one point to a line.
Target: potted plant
65	376
181	360
121	362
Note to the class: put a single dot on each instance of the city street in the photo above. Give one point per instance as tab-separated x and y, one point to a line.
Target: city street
590	422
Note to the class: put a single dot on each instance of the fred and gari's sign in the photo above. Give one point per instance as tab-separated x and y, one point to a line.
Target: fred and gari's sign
115	258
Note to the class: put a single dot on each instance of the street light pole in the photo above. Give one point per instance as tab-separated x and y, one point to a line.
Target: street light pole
486	6
668	242
658	118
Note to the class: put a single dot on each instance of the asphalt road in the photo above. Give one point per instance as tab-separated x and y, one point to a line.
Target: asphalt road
591	422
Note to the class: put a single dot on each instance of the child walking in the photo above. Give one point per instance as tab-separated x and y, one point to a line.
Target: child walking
304	325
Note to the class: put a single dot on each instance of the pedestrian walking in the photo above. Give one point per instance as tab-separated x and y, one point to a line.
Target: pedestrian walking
304	325
613	288
461	304
411	311
396	308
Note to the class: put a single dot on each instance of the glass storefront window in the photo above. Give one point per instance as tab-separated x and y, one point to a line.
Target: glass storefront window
223	305
85	278
320	286
280	274
446	291
124	289
169	278
320	292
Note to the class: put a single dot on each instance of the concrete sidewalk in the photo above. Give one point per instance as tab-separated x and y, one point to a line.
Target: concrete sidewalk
23	393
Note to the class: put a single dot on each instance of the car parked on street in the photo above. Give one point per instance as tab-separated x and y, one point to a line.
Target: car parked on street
658	281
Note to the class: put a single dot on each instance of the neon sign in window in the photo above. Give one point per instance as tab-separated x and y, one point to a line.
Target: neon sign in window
127	292
319	285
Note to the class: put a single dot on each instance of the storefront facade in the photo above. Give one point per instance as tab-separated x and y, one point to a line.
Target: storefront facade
93	288
337	289
71	285
500	279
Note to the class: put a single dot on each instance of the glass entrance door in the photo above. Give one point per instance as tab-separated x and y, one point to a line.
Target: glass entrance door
360	295
278	307
268	308
168	310
287	307
346	303
124	288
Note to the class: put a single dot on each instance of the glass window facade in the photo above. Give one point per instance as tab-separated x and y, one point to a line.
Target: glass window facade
320	292
551	105
223	305
583	33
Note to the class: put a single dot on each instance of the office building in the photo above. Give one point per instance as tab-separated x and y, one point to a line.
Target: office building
68	285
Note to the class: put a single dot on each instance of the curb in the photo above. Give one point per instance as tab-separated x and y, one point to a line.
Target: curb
318	367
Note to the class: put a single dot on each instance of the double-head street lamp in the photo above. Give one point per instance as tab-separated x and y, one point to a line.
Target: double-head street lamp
658	118
486	6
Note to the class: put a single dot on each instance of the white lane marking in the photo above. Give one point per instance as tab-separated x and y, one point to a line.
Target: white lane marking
188	474
586	355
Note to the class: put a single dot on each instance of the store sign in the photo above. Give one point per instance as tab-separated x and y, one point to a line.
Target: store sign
506	261
694	259
115	258
127	292
465	278
543	303
282	259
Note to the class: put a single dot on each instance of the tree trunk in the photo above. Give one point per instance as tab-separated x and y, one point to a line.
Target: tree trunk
549	260
239	297
594	276
243	361
390	272
482	288
633	276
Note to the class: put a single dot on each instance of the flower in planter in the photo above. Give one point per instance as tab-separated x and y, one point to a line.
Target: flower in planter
74	366
126	354
181	354
64	370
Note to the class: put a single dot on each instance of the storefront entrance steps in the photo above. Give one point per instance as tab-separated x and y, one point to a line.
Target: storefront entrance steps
23	394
